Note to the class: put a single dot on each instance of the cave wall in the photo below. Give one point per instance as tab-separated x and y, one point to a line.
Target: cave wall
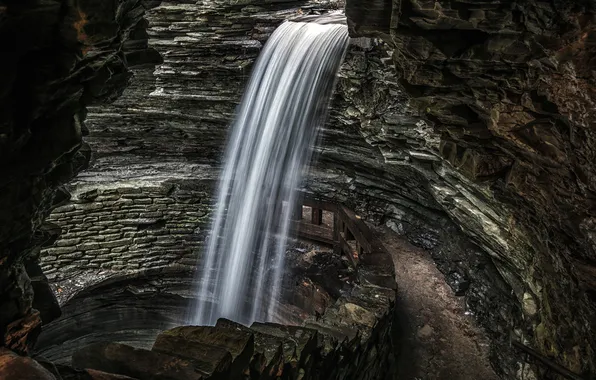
56	60
509	90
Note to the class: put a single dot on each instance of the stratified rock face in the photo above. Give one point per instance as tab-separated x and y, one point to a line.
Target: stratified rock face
127	226
376	156
510	88
182	110
380	159
57	57
131	308
505	162
351	340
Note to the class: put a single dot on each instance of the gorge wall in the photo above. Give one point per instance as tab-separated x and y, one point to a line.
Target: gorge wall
56	60
509	90
126	227
497	183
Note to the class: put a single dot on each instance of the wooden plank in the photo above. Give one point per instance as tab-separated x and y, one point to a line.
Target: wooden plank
357	227
347	250
297	213
336	227
318	203
313	232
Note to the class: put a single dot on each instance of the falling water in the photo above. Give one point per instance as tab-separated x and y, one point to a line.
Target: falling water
276	126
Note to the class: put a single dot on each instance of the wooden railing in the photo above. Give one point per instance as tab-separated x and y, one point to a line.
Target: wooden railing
348	233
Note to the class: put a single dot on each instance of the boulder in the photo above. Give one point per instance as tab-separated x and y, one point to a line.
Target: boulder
15	367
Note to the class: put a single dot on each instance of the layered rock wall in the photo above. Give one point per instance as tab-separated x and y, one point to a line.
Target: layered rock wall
56	60
375	156
497	184
126	226
181	111
507	88
380	159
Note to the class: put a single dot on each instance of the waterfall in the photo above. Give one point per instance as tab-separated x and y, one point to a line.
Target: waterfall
270	144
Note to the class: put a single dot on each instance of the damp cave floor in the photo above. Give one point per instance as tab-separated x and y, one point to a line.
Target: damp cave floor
436	339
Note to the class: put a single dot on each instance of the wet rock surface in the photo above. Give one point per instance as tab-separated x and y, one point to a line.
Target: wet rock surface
497	186
182	110
506	89
13	366
56	60
133	305
125	226
351	339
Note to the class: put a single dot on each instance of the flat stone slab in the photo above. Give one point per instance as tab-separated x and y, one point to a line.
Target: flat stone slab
303	340
134	362
206	357
238	342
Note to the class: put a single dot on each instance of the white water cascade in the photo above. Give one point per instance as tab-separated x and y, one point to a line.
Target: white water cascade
270	143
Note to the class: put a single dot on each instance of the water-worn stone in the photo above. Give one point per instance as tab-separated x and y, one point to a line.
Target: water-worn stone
56	60
207	358
134	362
15	367
238	342
508	90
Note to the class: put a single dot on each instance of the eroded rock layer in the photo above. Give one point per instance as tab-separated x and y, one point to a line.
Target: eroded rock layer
509	87
56	60
498	185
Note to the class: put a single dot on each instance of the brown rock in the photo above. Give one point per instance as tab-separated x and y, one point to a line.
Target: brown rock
238	341
15	367
20	334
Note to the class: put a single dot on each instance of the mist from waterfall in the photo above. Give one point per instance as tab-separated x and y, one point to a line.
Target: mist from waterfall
270	144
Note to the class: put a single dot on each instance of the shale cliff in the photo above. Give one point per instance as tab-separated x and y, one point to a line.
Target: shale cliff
467	127
57	58
509	88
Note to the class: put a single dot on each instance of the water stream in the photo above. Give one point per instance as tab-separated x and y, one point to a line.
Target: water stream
269	146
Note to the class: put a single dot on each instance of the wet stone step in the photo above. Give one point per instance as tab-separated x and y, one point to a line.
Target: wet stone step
377	300
331	330
134	362
69	373
227	335
378	275
271	353
304	339
207	358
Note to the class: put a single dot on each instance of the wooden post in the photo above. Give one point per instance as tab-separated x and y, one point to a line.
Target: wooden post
317	216
336	233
